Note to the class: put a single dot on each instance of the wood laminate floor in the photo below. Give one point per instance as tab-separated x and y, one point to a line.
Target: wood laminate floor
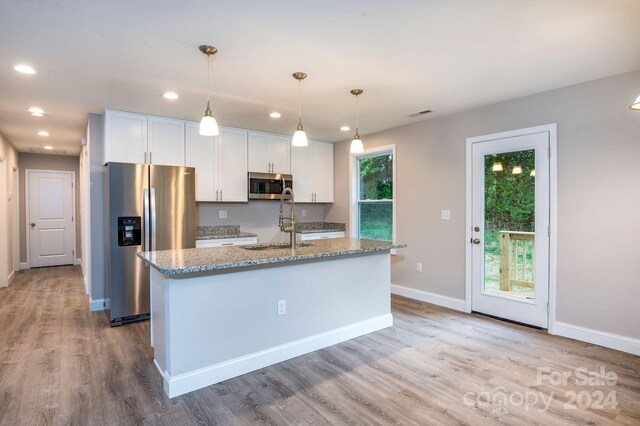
60	364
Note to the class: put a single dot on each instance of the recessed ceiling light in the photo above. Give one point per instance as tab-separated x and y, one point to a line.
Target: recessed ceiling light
275	115
345	128
170	95
36	112
47	147
24	69
43	133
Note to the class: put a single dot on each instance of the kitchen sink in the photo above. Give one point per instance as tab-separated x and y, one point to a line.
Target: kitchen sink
274	246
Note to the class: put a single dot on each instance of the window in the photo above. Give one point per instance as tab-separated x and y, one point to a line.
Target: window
374	186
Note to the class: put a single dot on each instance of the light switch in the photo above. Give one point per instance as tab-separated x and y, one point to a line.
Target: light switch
222	214
445	214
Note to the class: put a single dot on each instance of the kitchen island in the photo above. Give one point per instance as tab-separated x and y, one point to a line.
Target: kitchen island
217	313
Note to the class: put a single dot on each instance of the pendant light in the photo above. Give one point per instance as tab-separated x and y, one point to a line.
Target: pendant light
497	167
516	170
636	104
299	137
356	143
208	124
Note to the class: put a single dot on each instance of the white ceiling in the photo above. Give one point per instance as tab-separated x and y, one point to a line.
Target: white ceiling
408	56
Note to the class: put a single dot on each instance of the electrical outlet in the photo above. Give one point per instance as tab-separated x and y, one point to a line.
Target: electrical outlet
419	267
222	214
304	213
445	214
282	307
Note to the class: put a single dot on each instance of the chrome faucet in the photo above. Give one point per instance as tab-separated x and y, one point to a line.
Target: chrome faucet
288	224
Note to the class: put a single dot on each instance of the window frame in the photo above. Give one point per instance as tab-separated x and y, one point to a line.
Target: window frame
354	173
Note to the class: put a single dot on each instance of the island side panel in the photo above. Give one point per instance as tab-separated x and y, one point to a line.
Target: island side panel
159	323
226	324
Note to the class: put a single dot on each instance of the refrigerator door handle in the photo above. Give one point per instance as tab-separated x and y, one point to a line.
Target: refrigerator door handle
152	213
145	218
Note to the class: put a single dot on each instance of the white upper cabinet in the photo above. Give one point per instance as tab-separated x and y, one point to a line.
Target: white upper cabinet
301	169
312	170
166	141
232	165
220	163
269	153
322	172
202	153
280	154
142	139
125	137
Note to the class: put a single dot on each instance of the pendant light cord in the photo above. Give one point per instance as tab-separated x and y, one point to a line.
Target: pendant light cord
208	79
299	101
356	114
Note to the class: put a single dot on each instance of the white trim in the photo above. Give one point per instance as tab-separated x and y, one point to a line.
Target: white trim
4	221
26	208
425	296
11	276
197	379
551	129
353	188
15	217
600	338
78	261
99	305
24	266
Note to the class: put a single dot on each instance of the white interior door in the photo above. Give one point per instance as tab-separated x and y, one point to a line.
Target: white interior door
4	255
510	228
50	218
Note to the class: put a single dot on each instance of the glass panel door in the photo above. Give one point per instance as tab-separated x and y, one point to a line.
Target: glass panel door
509	224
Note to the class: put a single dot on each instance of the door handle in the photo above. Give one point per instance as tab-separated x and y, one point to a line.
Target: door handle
475	240
152	218
33	225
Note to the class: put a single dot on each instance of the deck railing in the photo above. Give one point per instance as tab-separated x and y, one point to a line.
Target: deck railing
515	268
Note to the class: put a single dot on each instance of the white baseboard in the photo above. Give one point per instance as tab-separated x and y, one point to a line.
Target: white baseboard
188	382
24	265
601	338
99	304
425	296
11	276
78	261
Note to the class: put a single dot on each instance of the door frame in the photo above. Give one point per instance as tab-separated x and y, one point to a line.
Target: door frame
4	220
15	217
551	129
26	210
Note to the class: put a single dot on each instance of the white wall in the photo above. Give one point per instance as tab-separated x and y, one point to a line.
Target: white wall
9	156
598	197
260	217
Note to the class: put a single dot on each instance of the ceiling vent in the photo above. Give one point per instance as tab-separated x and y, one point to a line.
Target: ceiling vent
419	113
47	151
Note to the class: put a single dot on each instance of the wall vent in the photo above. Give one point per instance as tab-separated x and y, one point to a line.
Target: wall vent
38	150
419	113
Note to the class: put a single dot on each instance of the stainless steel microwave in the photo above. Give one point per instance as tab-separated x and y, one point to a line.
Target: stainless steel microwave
268	186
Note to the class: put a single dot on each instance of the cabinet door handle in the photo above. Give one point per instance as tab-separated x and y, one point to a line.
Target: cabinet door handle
221	195
150	154
227	244
145	157
217	194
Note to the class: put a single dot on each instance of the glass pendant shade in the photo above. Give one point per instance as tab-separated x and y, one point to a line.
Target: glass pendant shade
636	104
299	137
356	145
208	124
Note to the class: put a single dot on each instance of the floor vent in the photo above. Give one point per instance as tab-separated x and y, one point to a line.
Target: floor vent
419	113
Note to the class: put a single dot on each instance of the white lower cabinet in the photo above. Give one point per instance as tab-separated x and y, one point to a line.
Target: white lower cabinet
321	236
220	163
221	242
312	170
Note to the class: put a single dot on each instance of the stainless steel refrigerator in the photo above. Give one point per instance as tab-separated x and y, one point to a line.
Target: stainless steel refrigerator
150	208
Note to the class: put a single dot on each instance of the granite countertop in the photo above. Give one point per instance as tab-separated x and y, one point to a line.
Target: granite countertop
172	262
319	227
221	231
